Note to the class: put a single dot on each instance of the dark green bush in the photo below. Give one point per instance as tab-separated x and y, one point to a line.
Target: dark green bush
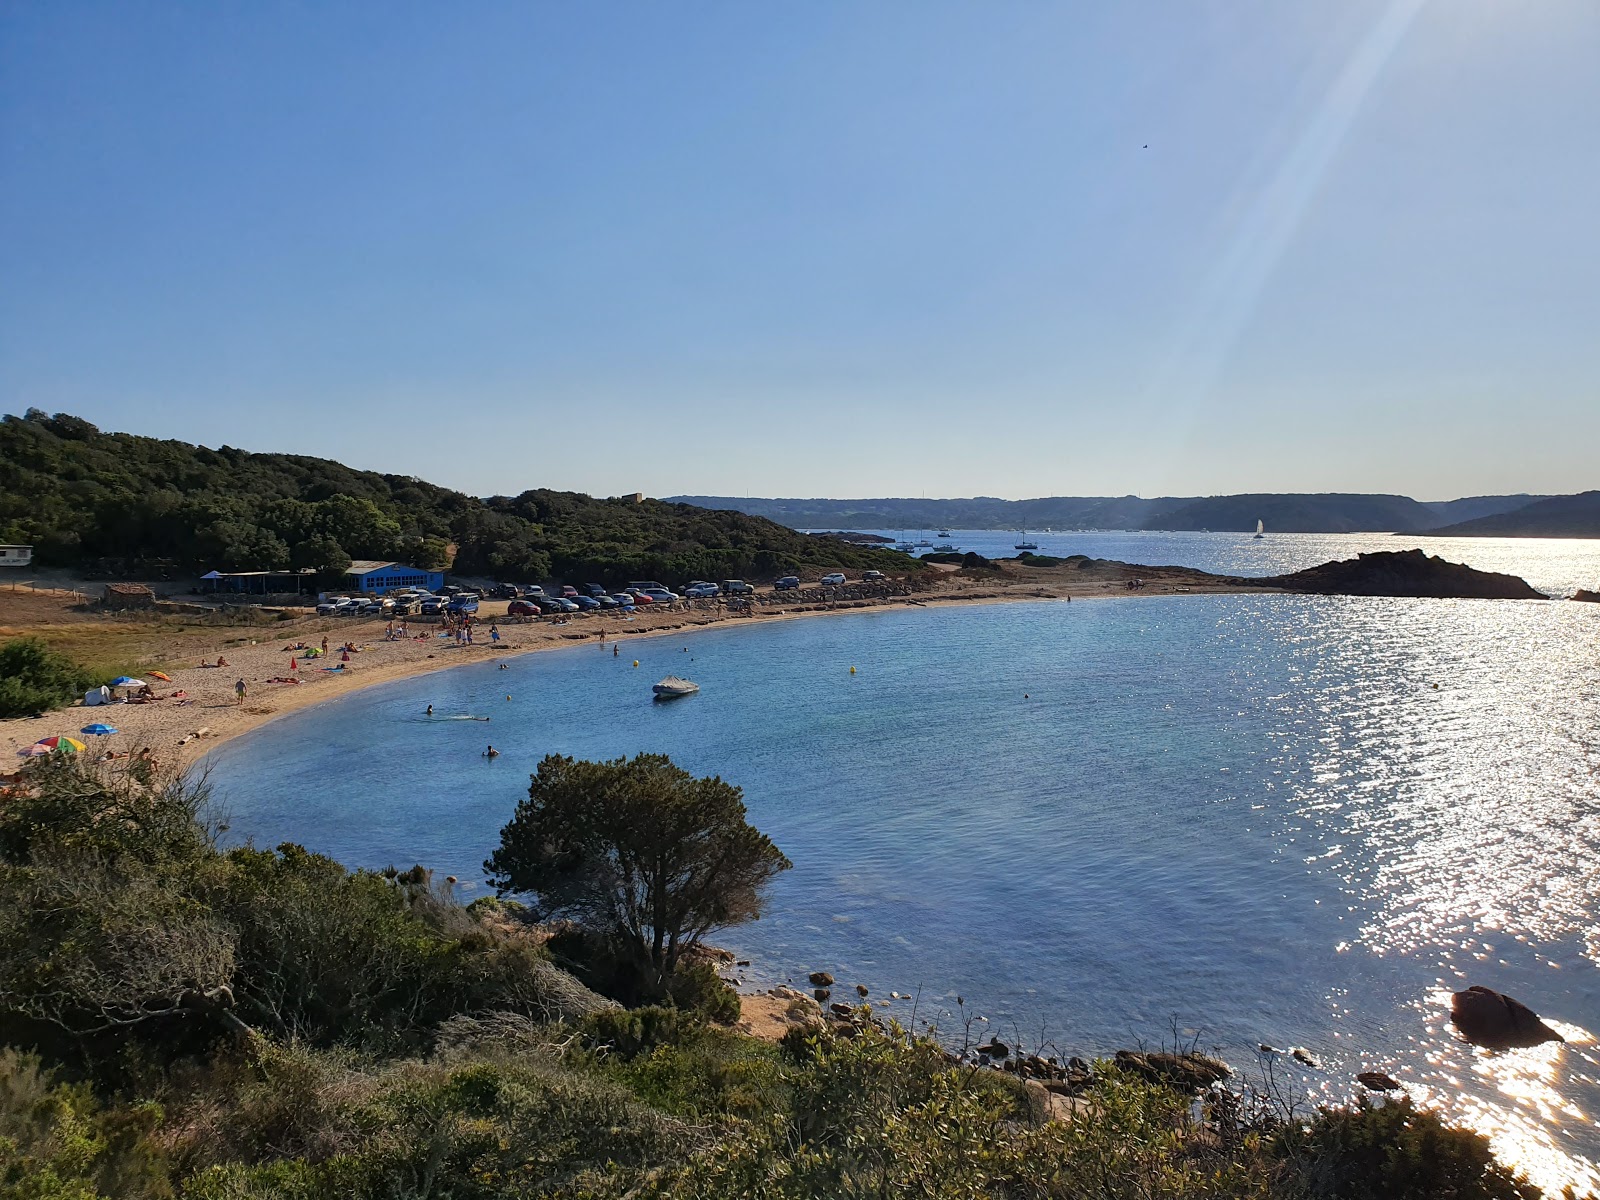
36	679
629	1032
57	1143
1393	1151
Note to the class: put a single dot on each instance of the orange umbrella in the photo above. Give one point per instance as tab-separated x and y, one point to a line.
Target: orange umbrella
160	676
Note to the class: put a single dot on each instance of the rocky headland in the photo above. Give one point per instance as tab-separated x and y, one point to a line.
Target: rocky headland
1404	573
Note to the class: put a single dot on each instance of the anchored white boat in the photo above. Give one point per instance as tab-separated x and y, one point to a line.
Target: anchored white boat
672	687
1261	529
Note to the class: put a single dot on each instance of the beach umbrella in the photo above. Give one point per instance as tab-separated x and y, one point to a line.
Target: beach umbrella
34	751
68	745
98	729
165	678
127	681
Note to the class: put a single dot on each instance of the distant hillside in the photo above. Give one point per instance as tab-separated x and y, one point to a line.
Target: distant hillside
1470	508
1283	513
977	512
118	502
1558	516
1330	513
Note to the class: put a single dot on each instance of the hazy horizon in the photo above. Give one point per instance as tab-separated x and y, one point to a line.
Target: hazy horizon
1148	249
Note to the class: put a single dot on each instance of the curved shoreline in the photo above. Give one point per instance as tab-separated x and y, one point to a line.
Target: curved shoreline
180	735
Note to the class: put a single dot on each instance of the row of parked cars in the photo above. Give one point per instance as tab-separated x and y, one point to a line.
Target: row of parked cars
402	603
533	600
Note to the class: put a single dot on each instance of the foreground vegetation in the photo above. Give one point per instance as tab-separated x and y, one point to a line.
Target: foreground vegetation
113	501
180	1020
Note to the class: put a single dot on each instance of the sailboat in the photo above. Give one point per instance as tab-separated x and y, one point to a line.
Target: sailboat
1025	544
1261	529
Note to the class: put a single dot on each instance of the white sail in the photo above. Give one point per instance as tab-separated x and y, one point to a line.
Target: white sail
1261	527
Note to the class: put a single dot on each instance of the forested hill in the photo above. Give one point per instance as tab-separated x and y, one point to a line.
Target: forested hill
1325	512
119	502
1558	516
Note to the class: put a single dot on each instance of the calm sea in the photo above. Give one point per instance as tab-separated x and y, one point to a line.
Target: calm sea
1247	819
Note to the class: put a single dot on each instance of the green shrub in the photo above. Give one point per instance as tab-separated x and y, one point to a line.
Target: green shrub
56	1143
1393	1151
36	679
629	1032
699	989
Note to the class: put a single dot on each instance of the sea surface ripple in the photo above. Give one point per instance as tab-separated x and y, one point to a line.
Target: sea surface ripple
1235	819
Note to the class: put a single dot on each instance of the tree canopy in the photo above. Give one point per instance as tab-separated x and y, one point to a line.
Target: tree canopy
115	501
637	848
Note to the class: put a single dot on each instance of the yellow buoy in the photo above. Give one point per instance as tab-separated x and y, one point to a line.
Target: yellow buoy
852	670
636	662
508	697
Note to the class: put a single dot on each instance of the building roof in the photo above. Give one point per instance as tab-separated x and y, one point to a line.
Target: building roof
365	566
129	589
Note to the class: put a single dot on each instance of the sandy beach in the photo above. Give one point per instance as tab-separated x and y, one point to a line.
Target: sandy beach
180	729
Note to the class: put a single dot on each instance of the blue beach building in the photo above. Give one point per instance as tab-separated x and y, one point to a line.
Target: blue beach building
381	578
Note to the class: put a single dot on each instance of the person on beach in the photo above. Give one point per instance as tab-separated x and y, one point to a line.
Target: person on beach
324	643
494	633
239	690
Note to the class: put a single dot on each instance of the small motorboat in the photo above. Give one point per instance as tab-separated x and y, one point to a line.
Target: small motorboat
672	687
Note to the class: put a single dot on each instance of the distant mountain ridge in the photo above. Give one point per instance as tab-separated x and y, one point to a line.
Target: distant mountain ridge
1322	512
1553	516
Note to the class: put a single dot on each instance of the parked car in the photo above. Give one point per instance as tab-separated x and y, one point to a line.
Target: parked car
402	608
787	584
597	590
549	604
699	591
369	608
640	585
606	601
504	591
833	579
736	587
331	605
568	591
567	606
532	592
433	606
872	577
522	608
660	595
586	603
623	600
465	603
641	598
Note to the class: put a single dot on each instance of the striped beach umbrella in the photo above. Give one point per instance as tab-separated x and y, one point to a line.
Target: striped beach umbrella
127	681
67	745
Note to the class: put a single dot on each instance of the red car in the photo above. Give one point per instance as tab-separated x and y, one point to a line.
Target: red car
521	608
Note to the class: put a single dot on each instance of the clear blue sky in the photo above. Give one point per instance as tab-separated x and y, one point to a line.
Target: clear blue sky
819	249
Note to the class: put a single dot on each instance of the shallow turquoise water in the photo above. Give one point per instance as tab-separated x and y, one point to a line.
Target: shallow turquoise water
1256	817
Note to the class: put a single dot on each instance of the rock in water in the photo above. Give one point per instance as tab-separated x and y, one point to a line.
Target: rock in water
821	979
1188	1072
1377	1081
1488	1018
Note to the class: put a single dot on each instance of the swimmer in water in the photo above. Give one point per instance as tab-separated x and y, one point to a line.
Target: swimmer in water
430	710
491	752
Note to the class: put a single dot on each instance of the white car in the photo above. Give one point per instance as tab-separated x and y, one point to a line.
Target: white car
331	605
659	595
699	591
833	580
